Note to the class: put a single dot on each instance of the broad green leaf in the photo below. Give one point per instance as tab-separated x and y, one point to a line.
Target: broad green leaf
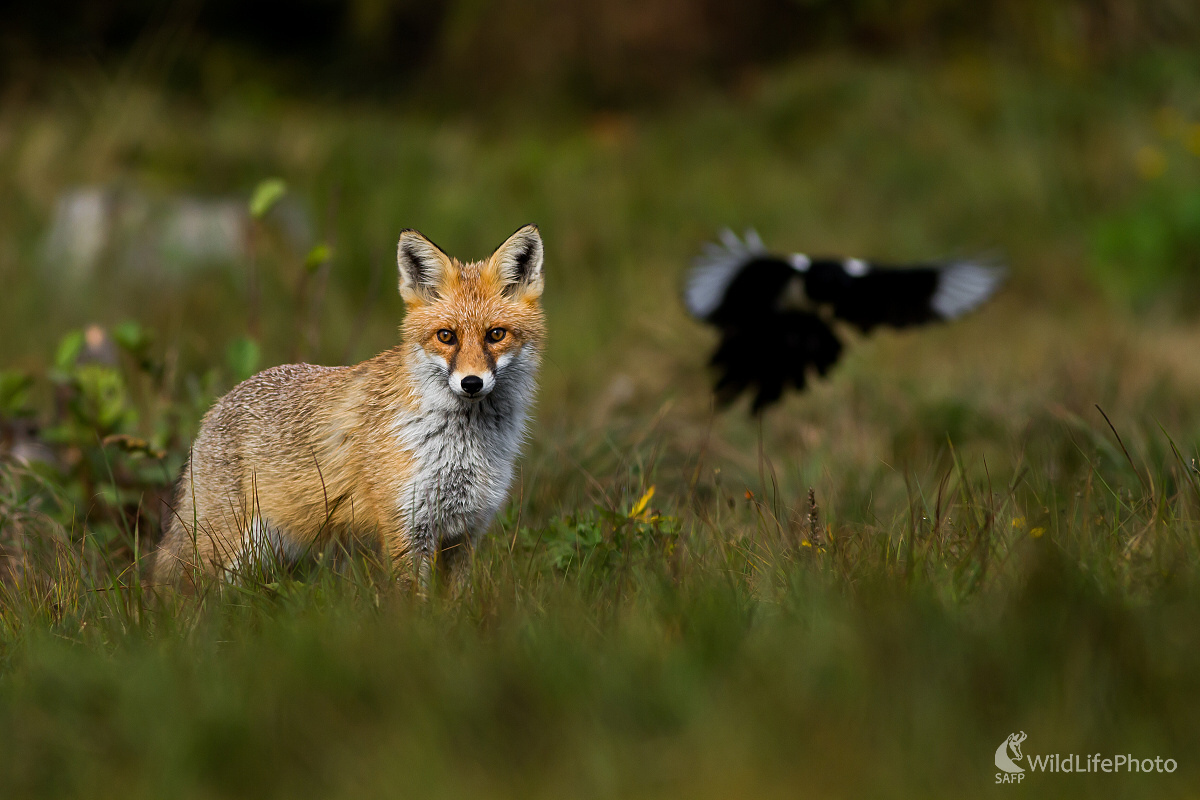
131	336
68	351
14	392
317	256
265	196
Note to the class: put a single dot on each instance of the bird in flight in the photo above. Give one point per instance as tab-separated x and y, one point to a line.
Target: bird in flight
776	312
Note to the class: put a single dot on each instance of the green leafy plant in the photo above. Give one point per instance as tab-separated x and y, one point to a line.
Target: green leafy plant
596	543
15	390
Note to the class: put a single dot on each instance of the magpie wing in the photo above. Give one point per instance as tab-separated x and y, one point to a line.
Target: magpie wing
868	295
765	346
735	282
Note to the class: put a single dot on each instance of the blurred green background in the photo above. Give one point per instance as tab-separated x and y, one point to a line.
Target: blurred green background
965	531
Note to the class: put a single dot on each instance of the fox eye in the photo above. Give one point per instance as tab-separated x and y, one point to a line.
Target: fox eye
446	336
496	334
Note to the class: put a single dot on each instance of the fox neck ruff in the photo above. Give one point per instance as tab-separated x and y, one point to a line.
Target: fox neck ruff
463	450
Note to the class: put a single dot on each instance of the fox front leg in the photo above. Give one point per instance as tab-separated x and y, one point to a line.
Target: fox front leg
411	557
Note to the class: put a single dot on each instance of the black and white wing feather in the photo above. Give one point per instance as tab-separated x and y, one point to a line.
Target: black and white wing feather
775	312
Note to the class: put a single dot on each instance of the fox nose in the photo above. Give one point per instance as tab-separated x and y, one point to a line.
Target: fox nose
472	384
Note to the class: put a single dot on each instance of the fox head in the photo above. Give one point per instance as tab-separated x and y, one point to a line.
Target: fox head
476	329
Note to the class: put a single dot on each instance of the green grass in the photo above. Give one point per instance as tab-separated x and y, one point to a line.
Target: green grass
987	556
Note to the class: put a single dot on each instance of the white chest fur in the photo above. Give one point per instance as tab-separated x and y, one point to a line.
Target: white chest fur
464	458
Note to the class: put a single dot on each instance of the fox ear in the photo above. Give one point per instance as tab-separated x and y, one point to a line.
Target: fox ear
519	263
423	267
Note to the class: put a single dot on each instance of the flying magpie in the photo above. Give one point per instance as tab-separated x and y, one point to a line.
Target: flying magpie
776	312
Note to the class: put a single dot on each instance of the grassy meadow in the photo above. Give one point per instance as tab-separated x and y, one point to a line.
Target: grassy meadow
1006	531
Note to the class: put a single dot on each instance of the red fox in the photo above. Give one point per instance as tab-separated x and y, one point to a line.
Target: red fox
415	446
